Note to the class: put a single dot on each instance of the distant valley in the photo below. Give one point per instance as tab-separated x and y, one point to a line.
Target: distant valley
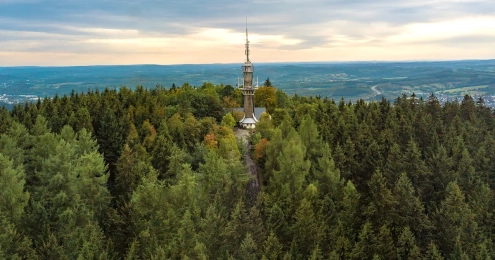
354	80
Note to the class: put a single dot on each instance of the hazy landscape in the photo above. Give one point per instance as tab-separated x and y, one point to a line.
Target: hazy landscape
352	80
129	130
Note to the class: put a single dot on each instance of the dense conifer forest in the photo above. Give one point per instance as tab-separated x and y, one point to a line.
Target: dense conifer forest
159	174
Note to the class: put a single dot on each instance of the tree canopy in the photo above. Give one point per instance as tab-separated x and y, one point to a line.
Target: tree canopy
159	173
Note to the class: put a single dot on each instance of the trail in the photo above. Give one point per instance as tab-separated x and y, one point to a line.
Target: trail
253	185
376	90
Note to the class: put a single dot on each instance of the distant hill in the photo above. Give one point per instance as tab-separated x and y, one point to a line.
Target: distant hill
352	80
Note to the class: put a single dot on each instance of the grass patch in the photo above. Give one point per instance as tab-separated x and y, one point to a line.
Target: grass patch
472	90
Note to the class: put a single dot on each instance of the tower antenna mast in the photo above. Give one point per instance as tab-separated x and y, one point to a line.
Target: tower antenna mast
247	42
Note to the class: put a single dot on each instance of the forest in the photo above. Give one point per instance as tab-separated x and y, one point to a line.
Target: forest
159	174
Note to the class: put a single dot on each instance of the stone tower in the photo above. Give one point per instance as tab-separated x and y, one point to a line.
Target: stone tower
248	89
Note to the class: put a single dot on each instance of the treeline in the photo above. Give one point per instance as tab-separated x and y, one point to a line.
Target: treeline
159	174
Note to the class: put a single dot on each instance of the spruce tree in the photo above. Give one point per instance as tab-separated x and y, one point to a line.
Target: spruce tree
287	183
365	247
454	222
385	247
248	249
13	243
382	201
409	211
110	141
406	246
272	249
433	252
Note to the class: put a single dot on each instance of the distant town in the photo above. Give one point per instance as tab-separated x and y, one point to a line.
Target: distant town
448	80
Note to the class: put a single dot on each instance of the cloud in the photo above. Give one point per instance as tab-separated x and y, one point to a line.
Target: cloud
443	30
176	31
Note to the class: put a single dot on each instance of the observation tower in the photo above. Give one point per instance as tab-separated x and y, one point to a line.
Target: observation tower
249	121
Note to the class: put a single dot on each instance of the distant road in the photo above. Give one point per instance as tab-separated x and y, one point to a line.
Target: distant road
376	90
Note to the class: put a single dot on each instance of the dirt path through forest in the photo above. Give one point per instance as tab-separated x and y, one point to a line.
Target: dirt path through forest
253	184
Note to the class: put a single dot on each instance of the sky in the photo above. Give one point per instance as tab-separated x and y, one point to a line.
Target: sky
113	32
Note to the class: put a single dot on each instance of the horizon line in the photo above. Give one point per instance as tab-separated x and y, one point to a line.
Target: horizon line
235	63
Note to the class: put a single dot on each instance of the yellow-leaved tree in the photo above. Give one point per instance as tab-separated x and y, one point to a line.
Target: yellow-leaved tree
266	97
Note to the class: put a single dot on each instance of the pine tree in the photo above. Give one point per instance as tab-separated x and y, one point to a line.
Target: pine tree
441	165
341	162
351	165
454	222
306	229
348	223
85	143
110	141
255	221
235	231
220	179
185	240
328	176
92	243
186	191
13	244
286	127
82	119
458	252
481	203
209	235
272	249
394	165
130	170
382	201
267	83
289	180
273	150
417	171
150	218
40	127
176	159
176	129
148	135
283	100
248	249
265	125
483	251
277	223
385	248
316	253
5	120
350	209
191	132
91	185
409	211
70	197
468	179
433	252
310	138
10	149
406	246
365	247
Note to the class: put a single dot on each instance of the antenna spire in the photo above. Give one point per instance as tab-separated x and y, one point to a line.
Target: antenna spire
247	42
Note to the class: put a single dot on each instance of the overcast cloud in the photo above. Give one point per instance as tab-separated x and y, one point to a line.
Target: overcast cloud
74	32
